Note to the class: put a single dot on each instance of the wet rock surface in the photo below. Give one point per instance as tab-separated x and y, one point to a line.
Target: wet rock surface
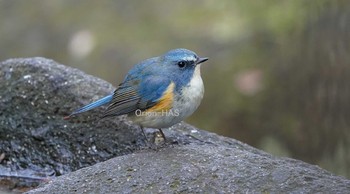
36	143
35	95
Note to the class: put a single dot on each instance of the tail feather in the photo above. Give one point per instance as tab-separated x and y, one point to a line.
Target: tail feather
93	105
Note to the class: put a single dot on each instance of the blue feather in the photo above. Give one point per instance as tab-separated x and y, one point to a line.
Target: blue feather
93	105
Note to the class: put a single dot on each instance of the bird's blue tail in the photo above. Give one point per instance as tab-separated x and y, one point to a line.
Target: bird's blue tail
93	105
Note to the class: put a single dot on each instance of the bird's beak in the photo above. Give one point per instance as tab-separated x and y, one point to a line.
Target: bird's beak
201	60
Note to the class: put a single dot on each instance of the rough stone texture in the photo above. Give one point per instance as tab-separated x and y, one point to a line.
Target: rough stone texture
36	93
226	166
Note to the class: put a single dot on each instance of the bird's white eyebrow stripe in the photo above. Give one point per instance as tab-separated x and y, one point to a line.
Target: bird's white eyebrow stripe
189	58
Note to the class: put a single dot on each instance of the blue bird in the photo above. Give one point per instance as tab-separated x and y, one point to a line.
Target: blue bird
157	92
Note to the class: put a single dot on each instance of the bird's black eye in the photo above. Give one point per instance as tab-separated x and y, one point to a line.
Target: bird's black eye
181	64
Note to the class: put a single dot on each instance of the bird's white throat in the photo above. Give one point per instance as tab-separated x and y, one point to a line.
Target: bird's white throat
192	94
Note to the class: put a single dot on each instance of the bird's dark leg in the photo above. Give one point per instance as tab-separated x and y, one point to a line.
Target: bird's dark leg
161	132
144	134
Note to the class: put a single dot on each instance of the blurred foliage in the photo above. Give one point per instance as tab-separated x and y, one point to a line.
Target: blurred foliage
278	76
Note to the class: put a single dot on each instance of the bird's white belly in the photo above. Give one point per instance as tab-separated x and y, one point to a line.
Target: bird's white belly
183	106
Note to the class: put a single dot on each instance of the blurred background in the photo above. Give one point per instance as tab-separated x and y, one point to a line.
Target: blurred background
278	77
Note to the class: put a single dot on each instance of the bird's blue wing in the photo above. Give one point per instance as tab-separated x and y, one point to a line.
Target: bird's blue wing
135	93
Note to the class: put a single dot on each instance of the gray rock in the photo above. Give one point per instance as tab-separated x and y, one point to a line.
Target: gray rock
36	93
226	166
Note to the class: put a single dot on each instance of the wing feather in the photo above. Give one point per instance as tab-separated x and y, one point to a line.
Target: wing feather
132	95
